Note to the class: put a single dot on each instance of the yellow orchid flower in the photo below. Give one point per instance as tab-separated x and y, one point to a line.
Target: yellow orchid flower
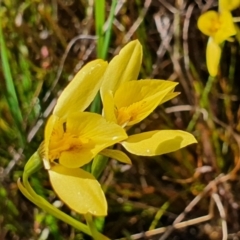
219	27
127	101
73	138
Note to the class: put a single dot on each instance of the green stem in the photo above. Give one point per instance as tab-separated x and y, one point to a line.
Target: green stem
29	193
204	99
92	227
204	103
98	165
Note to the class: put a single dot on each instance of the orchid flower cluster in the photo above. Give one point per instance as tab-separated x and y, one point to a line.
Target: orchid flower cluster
219	26
73	137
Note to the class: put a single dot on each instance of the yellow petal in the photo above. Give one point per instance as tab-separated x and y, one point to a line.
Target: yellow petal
135	100
47	136
158	142
213	56
123	67
76	158
137	90
228	5
117	155
79	190
91	133
208	23
108	107
227	28
81	90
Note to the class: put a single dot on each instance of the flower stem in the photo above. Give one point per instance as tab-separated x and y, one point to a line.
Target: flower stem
93	229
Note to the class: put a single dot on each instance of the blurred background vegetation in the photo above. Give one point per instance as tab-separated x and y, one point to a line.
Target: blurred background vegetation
44	43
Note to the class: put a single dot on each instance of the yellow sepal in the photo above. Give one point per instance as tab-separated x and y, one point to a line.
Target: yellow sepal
158	142
213	56
80	92
123	68
79	190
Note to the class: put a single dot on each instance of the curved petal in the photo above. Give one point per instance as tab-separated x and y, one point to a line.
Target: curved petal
208	23
51	123
137	90
79	190
116	154
213	56
77	158
123	67
227	28
90	133
80	92
158	142
135	100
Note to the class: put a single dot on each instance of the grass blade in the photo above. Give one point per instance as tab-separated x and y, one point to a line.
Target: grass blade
11	95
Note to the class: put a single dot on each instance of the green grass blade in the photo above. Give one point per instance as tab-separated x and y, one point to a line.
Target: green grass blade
11	95
109	30
99	23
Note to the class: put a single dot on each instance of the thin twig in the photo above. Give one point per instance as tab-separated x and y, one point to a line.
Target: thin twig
185	35
222	213
63	59
179	225
168	6
137	23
